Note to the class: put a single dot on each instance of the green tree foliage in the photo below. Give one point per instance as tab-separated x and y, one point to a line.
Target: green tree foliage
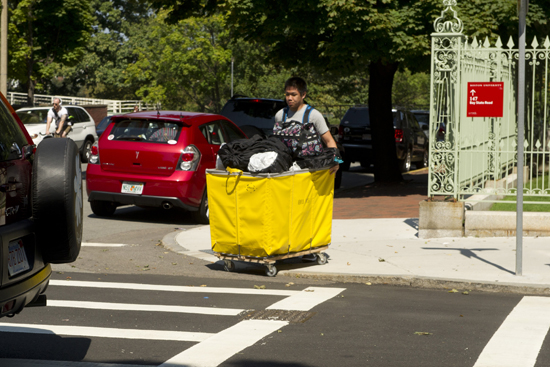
411	91
185	65
44	35
101	69
342	37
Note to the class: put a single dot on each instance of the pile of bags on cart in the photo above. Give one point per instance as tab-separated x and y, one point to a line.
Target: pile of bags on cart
276	154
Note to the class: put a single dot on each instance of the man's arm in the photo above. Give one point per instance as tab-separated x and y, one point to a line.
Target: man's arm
48	122
61	123
329	141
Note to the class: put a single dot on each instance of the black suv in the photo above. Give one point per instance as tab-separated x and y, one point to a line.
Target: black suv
257	116
354	134
40	211
253	115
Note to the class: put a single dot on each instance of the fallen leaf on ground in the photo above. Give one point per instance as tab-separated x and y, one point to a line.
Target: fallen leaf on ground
381	260
259	286
466	293
453	291
422	333
368	283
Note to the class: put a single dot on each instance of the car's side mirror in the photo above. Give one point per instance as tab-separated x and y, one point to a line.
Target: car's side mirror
334	130
28	151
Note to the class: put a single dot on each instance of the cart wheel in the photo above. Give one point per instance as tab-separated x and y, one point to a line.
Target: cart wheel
270	270
321	258
229	265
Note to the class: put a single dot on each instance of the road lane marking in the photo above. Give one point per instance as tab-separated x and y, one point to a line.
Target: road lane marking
85	331
172	288
225	344
140	307
518	340
96	244
306	299
48	363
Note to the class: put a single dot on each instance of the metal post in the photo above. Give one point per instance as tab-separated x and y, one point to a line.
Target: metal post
232	60
4	49
522	7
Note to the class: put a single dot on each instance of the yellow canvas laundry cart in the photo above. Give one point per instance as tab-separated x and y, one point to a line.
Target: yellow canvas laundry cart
268	217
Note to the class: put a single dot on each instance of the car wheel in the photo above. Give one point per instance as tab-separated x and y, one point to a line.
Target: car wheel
103	208
406	162
57	200
86	151
338	178
425	159
202	216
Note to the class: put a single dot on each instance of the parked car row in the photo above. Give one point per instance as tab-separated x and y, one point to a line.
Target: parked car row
354	133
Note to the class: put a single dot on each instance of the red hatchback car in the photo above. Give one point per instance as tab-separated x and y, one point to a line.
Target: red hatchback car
156	159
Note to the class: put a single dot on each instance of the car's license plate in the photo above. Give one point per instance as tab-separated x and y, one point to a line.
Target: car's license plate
132	188
17	258
366	136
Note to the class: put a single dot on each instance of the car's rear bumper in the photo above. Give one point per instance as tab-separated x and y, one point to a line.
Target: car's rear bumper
140	200
358	152
24	292
181	189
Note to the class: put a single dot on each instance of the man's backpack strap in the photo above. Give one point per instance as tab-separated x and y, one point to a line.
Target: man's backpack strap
285	113
305	118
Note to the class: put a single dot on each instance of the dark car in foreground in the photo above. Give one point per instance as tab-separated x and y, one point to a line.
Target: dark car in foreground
257	116
355	135
40	211
156	159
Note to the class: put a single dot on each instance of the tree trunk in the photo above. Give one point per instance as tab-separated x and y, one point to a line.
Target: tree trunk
386	165
30	59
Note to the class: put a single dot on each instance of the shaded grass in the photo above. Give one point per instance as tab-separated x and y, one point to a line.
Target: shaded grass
509	202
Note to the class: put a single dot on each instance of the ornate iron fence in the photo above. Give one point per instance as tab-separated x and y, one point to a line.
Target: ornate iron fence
475	158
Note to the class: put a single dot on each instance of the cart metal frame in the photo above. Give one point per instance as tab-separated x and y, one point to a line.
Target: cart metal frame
269	261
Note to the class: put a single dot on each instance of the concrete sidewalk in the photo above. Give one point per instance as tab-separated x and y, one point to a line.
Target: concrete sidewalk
388	250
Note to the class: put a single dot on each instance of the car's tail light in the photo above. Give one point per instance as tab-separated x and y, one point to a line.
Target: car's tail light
189	159
340	132
398	135
94	156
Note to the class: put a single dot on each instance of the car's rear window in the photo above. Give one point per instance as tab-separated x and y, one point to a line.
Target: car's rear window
422	117
31	117
259	113
12	139
356	117
166	132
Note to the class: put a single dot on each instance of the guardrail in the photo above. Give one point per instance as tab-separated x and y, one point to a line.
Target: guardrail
113	106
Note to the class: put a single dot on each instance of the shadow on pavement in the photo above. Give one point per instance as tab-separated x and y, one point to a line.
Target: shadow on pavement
469	253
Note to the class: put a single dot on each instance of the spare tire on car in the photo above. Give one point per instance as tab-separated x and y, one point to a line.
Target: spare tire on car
57	200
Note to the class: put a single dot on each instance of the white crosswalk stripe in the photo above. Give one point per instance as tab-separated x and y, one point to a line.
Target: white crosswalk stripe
518	341
105	332
95	244
226	342
149	308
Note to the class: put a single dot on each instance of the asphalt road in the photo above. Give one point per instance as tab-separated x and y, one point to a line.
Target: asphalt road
214	322
130	301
